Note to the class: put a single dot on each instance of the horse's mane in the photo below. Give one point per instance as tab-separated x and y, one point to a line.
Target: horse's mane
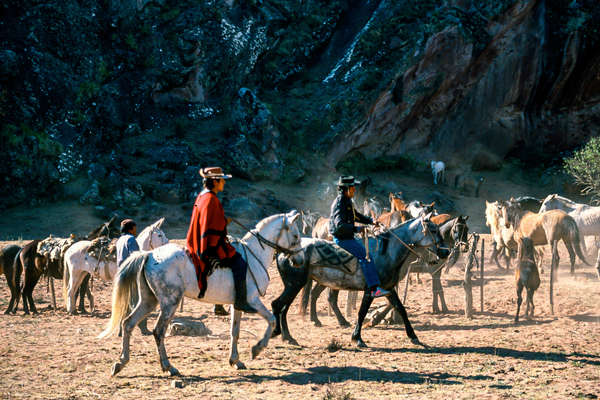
560	198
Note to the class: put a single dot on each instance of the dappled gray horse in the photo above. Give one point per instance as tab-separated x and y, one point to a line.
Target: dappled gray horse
389	257
166	274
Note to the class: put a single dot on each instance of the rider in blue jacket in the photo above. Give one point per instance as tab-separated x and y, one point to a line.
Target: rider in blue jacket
341	226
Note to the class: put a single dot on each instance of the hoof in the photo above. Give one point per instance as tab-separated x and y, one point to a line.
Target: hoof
359	343
146	332
417	342
318	324
291	341
173	371
116	368
276	333
256	349
237	364
345	324
220	310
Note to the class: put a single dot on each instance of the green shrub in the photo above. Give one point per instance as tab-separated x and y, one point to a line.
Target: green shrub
584	167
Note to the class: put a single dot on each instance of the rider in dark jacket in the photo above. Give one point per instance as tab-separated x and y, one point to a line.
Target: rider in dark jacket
341	226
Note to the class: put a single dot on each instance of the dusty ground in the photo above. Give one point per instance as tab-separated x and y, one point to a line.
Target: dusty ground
53	355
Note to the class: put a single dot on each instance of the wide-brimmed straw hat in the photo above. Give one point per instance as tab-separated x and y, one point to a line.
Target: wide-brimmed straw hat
347	181
213	173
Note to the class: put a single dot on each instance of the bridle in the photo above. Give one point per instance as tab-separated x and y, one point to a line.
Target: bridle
425	231
454	230
274	245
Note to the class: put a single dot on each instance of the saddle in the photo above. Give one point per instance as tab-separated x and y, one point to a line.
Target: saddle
54	248
103	249
331	255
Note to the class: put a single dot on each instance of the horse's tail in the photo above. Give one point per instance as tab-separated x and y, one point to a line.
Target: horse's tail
123	283
305	297
17	269
575	238
66	278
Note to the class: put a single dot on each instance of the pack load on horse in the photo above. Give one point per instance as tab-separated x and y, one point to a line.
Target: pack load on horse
79	264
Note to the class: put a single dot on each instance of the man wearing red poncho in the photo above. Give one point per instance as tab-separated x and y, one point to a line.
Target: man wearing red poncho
207	238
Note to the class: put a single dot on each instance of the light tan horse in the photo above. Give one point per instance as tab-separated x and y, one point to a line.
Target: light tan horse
546	228
501	235
321	229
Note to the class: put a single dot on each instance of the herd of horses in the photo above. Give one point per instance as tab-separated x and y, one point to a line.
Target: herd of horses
409	234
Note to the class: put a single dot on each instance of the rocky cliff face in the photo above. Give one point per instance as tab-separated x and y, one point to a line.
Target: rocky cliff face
105	99
530	90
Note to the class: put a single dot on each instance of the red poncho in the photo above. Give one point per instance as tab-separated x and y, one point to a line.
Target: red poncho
207	234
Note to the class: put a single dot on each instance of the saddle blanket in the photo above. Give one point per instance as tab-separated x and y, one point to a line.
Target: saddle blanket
329	254
103	249
54	248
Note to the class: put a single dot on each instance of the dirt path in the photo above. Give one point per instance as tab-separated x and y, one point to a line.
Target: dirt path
53	355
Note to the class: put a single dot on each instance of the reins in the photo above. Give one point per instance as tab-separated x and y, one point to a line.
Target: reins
404	243
262	240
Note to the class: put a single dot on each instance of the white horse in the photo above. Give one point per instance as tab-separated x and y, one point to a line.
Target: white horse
78	263
438	168
586	217
165	275
417	208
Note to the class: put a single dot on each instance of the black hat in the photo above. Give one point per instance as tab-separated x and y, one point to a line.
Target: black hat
347	181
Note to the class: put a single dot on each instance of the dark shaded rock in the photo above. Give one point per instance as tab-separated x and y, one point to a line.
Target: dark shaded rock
257	147
9	64
96	171
243	207
92	195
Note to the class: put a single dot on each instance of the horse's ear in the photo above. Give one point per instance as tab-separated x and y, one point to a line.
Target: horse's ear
553	196
427	216
432	203
159	223
466	217
293	217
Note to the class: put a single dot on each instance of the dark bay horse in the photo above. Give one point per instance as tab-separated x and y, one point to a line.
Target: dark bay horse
389	259
13	278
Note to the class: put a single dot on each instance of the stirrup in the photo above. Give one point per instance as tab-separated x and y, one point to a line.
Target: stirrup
379	292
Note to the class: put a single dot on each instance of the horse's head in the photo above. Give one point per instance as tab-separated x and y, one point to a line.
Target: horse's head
289	237
460	232
511	211
431	237
152	236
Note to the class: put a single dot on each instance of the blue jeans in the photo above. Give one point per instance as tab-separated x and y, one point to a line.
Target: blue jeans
355	248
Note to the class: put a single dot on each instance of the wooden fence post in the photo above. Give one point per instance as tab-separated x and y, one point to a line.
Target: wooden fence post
481	272
468	284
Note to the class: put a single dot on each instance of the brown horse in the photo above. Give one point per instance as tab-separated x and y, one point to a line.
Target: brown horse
7	258
321	229
397	202
35	266
393	218
441	218
527	276
546	228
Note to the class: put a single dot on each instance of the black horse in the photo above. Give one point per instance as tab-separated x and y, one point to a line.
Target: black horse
389	258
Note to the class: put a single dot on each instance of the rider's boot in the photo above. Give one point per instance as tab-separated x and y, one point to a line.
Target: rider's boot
239	281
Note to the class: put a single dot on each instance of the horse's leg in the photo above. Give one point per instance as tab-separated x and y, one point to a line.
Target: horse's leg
75	279
494	255
14	289
519	300
530	293
316	292
32	276
280	308
438	292
270	318
333	303
83	289
362	313
145	306
17	270
234	358
395	301
569	247
330	312
168	306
